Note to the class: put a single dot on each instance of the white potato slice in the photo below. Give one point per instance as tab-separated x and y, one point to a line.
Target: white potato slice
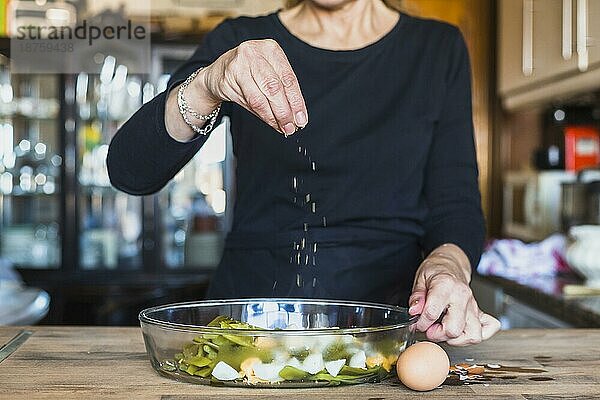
225	372
334	367
313	363
268	372
294	362
358	360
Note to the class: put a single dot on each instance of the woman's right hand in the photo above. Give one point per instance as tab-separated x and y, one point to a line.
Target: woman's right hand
257	75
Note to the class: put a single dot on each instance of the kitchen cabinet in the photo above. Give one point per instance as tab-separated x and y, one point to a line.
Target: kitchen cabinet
531	32
554	40
547	49
510	46
593	37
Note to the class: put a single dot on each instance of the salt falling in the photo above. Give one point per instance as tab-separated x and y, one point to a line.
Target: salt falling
304	253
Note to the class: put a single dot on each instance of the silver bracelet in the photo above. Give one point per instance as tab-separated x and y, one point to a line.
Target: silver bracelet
185	109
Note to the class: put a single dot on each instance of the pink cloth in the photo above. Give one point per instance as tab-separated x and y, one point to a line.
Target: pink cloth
511	258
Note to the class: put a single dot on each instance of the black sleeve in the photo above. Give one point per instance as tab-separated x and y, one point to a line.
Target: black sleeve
451	187
142	156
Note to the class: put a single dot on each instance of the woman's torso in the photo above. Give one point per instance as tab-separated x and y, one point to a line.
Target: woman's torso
361	162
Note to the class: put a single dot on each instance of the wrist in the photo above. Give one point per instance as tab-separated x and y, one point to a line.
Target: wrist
203	91
454	259
195	106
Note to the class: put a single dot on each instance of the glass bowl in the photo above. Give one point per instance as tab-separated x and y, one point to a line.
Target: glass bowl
276	342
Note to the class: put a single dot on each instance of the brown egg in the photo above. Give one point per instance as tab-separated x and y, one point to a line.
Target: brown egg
423	366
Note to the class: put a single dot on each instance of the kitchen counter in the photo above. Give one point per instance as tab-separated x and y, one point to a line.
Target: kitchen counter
110	363
546	294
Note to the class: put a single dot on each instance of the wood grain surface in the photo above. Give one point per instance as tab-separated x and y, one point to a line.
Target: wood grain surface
111	363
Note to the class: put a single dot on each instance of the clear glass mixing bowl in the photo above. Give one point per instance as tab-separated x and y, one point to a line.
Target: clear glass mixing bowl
276	342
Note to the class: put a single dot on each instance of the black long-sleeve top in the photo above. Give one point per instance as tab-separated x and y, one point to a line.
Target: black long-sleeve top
394	174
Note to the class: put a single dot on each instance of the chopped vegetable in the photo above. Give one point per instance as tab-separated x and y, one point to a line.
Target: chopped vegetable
264	359
358	360
313	363
334	367
191	369
299	353
268	372
190	350
290	373
354	371
224	372
241	340
294	362
336	351
217	321
198	361
204	372
168	366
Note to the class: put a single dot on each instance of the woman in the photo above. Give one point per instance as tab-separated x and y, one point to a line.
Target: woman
375	198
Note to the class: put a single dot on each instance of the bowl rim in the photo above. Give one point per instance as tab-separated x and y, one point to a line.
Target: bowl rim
145	319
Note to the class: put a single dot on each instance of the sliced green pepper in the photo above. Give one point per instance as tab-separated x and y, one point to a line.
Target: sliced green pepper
191	369
168	366
204	372
198	361
353	371
336	351
220	341
300	354
216	322
210	344
190	350
290	373
245	341
200	340
210	352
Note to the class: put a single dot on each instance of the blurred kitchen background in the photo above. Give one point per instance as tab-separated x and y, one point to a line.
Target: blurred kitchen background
73	250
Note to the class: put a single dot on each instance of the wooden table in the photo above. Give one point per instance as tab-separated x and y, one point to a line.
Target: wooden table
110	363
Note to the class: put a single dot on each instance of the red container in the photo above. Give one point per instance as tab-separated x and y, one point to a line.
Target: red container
582	147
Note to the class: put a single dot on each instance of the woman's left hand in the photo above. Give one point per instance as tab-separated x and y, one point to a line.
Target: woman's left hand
441	294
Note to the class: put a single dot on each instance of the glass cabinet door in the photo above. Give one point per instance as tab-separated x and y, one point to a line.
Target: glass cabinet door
195	207
30	169
110	222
